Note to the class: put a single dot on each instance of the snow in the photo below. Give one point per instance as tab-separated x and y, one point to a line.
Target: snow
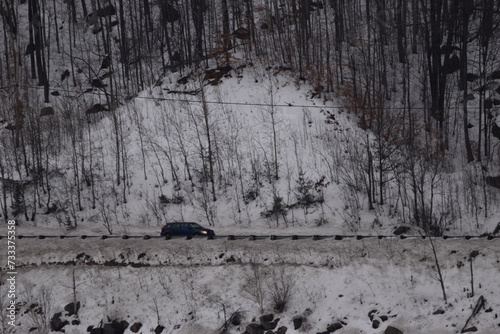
185	285
188	283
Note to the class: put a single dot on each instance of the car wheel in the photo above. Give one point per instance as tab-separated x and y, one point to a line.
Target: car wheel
167	236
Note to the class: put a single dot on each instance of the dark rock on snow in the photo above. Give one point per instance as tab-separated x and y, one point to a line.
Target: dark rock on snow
135	327
56	323
254	329
335	326
282	330
159	329
297	322
401	230
438	311
392	330
71	308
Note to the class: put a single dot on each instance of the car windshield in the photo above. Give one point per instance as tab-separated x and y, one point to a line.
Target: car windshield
194	225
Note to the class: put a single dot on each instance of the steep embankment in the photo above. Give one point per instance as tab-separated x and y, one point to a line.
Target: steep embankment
192	286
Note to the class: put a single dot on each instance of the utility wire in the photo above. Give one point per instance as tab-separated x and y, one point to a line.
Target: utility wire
289	105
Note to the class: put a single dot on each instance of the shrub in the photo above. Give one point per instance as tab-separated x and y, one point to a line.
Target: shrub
279	209
280	286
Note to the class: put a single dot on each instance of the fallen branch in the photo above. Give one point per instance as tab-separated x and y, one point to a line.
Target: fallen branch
477	308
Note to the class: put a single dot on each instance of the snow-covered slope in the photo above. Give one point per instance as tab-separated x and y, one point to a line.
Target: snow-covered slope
280	154
192	286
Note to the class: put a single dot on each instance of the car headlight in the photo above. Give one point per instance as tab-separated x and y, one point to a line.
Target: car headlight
203	232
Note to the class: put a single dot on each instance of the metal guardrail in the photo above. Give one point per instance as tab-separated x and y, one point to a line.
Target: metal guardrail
253	237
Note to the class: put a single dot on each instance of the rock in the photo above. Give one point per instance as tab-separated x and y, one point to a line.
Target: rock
371	314
236	319
376	323
254	329
46	111
270	325
115	327
242	33
56	324
392	330
401	230
135	327
75	322
470	329
108	329
159	329
438	311
384	318
297	322
333	327
266	318
281	330
71	308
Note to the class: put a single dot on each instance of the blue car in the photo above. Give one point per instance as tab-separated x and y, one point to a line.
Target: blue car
185	229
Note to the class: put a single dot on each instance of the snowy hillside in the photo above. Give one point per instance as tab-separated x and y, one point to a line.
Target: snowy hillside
126	114
255	119
195	286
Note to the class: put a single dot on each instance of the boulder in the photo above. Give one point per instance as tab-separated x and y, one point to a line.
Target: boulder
401	230
333	327
56	323
438	311
270	325
236	319
371	314
108	329
71	308
282	330
135	327
266	318
159	329
297	322
115	327
242	33
392	330
254	329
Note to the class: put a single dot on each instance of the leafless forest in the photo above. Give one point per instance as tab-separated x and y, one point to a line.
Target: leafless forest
420	79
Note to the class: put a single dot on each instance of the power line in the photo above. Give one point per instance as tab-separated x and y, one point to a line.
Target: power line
289	105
